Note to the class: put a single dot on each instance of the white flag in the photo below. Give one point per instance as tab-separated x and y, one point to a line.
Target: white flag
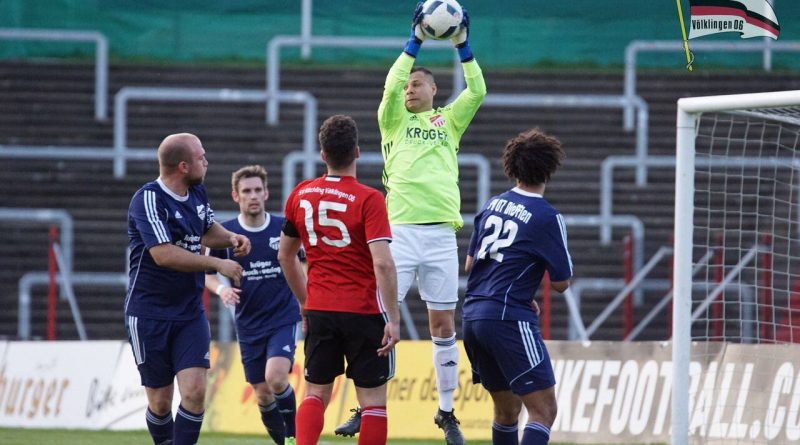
750	18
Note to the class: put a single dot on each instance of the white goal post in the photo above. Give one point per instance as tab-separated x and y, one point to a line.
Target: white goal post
743	165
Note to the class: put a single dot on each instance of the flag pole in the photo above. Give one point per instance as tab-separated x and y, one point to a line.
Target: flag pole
689	55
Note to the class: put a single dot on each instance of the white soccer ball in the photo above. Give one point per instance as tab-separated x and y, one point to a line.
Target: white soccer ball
441	19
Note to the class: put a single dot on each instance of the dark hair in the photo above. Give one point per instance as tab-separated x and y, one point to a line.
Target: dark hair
427	72
532	157
338	139
250	171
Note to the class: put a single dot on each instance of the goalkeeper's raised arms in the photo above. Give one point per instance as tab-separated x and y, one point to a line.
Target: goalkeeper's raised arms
417	36
461	40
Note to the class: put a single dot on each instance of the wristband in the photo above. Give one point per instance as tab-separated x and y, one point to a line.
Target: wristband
464	52
219	289
412	46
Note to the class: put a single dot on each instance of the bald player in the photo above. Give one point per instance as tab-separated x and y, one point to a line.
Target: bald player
169	220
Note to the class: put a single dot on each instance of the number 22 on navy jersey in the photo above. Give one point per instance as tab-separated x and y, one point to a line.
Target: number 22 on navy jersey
518	236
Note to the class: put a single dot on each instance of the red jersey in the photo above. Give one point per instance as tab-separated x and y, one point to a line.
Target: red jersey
336	218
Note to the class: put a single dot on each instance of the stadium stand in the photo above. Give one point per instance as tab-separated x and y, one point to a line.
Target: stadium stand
50	103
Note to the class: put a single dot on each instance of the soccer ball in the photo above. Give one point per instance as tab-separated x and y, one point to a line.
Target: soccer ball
441	19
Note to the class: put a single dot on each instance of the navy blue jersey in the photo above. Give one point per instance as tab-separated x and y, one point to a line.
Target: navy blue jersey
517	236
266	302
158	216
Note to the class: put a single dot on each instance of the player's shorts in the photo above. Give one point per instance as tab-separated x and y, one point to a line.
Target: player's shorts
428	253
334	337
278	342
161	348
508	354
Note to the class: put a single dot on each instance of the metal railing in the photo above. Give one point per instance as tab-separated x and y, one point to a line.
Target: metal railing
205	95
603	284
60	217
64	255
639	328
464	159
67	281
100	54
577	329
276	43
663	252
75	153
305	27
726	280
640	46
747	295
611	284
586	101
627	221
31	279
613	162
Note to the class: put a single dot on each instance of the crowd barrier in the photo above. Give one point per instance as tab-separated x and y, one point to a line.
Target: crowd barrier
608	392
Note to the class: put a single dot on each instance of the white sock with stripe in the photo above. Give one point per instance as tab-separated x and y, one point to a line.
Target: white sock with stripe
445	361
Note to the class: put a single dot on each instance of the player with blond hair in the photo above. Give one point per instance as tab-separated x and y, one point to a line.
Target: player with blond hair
266	311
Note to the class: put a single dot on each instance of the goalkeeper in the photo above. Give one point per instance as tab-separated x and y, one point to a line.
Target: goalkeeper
420	146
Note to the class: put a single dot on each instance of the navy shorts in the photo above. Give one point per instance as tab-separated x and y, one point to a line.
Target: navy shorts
508	354
279	342
161	348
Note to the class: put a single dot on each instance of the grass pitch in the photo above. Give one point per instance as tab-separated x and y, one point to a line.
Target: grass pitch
9	436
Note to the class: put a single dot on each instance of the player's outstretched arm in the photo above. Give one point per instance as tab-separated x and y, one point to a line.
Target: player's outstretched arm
218	237
392	106
386	277
466	104
220	285
173	257
292	268
461	39
417	36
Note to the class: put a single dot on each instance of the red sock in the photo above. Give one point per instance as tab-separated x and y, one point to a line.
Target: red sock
373	426
310	420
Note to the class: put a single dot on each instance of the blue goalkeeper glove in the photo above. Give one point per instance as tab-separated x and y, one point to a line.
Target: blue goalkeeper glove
461	40
417	36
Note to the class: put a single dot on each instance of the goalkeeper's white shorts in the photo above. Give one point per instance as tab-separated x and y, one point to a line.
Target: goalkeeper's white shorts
429	254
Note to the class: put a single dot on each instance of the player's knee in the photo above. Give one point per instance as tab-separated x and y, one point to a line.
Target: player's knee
506	415
319	392
263	393
194	394
544	413
442	331
276	382
371	396
193	403
159	400
441	323
550	416
160	406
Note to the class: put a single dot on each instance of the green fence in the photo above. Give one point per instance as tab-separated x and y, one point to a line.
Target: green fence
505	33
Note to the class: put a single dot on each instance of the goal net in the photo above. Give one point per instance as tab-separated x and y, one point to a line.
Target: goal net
736	313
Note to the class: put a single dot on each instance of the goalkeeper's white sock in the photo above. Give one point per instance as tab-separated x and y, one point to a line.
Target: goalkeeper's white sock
445	361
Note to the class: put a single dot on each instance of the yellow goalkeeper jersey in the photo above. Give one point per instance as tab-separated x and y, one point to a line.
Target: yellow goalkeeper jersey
420	149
